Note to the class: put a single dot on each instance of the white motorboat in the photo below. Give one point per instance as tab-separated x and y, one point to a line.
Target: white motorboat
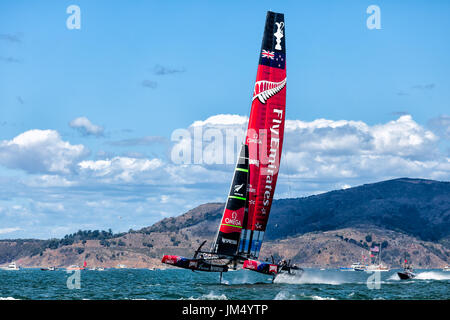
11	267
358	266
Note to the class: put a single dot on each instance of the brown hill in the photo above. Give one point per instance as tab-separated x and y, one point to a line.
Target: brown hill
408	217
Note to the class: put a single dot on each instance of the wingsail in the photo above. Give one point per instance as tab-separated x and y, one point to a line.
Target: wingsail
247	208
265	133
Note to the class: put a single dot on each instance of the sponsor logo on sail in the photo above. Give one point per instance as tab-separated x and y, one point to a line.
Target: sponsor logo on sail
254	138
238	187
274	156
234	220
278	35
229	241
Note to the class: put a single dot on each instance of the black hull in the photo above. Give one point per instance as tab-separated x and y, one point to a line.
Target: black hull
194	264
405	275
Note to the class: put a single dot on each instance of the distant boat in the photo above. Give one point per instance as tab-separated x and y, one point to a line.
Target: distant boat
408	272
446	269
377	267
97	269
358	266
346	269
380	266
121	266
49	269
74	267
11	267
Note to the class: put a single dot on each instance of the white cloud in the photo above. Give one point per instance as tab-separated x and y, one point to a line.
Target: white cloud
124	169
344	150
40	151
9	230
326	149
222	120
86	127
404	137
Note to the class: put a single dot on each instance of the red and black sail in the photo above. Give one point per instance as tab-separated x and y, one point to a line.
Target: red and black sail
265	133
262	150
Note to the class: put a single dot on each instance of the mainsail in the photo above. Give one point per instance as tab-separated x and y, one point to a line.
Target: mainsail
263	143
265	133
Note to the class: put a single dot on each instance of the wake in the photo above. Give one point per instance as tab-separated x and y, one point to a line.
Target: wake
432	275
283	295
210	296
307	278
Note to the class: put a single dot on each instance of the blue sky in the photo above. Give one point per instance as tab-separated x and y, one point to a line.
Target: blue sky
116	89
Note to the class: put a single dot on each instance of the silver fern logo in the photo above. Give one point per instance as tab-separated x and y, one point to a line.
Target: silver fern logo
265	89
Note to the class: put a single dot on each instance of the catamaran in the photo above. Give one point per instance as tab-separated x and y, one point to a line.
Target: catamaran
244	220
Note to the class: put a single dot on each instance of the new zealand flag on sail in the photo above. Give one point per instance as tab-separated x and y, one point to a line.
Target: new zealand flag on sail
273	47
273	59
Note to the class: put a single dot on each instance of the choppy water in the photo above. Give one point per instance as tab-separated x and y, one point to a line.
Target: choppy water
243	284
